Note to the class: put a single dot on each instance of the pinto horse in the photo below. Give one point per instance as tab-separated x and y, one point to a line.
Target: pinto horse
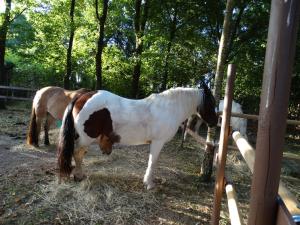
49	103
106	118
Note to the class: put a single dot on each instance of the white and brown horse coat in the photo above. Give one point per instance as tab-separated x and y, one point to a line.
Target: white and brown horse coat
106	118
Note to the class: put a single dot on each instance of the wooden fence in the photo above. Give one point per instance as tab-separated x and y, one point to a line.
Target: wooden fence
287	202
271	202
288	207
16	93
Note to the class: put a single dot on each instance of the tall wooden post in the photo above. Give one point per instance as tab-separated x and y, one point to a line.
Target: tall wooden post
273	110
207	163
223	145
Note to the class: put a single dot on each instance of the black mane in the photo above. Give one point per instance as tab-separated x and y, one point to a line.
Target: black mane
207	106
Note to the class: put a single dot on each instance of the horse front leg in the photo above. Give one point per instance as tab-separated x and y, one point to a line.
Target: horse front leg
78	157
187	125
198	125
183	134
155	149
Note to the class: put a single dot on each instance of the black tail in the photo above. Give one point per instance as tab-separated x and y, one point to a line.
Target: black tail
65	147
32	135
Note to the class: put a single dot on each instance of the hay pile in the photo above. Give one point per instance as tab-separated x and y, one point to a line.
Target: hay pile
113	192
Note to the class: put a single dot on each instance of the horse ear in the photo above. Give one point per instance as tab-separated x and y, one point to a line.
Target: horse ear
114	138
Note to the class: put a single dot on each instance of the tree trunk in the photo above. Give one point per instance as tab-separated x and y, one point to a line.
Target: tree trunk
68	74
166	66
206	167
140	20
137	67
3	35
100	44
171	39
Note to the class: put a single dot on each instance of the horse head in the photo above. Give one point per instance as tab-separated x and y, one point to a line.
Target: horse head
206	109
106	142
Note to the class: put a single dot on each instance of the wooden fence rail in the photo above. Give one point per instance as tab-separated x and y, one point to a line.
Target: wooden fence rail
234	212
17	88
288	199
16	93
255	117
288	206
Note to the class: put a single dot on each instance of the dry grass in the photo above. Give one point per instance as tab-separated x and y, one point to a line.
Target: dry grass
113	192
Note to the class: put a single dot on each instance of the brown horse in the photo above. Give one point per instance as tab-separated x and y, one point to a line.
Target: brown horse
49	103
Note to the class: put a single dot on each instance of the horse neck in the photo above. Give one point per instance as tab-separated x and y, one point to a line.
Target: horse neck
188	99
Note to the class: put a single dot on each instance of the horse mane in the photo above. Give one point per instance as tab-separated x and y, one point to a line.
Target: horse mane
176	92
207	106
207	97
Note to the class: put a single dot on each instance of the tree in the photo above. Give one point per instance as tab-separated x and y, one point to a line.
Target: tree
3	35
68	74
37	44
206	167
172	30
140	19
100	45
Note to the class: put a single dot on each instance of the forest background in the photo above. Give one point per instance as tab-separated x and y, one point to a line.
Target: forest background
135	47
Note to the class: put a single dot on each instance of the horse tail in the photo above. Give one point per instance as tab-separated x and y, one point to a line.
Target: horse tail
66	141
32	135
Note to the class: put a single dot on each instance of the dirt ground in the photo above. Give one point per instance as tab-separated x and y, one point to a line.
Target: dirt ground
113	192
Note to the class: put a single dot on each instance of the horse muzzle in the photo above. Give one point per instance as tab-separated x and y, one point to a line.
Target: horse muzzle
106	152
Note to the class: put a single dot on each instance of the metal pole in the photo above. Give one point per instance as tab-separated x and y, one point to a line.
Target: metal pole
273	110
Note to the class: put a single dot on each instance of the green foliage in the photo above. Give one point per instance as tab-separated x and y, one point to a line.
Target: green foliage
38	39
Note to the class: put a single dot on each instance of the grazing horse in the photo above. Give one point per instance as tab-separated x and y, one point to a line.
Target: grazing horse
239	124
106	118
49	103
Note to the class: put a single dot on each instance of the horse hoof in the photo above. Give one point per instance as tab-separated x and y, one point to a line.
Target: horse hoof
79	178
149	185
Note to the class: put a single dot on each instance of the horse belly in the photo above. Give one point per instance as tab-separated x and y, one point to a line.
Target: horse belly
133	135
57	108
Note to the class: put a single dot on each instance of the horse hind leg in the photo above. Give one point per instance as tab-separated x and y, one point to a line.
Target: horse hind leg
155	149
38	128
33	134
78	157
49	120
34	130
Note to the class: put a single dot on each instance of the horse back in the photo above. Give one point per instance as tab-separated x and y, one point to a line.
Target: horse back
53	100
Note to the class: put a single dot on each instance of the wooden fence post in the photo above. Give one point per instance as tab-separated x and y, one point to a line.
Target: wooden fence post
273	110
222	153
